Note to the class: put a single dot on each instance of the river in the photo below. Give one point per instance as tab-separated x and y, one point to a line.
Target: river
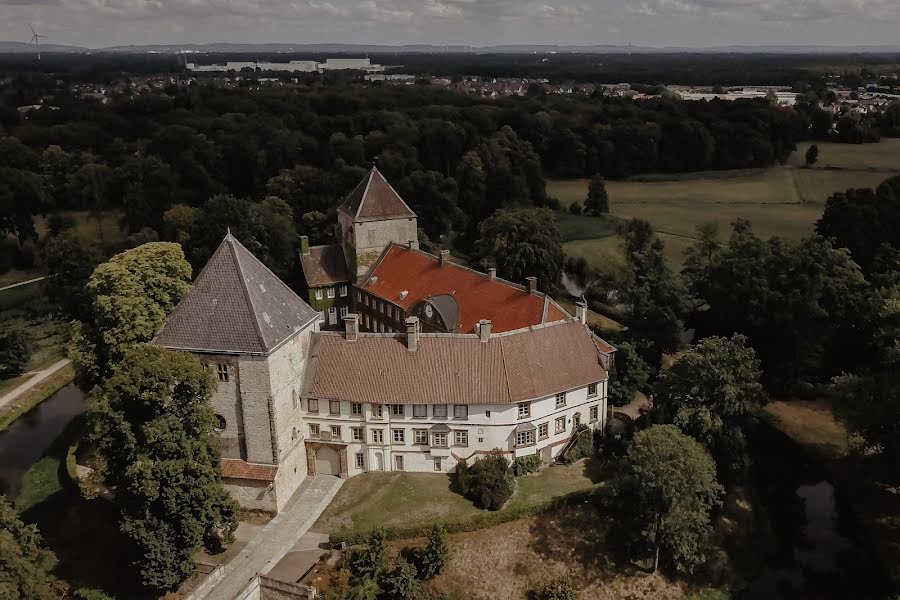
820	553
26	439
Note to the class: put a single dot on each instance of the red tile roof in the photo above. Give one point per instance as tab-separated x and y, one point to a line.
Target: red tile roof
453	369
233	468
507	305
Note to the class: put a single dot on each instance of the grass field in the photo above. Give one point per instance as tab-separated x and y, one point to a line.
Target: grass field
785	200
404	499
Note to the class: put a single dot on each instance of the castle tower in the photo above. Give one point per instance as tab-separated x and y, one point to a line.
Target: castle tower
373	216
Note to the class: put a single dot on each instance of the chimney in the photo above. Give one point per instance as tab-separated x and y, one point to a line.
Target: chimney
531	284
304	245
413	244
581	312
351	327
412	333
492	272
484	330
445	257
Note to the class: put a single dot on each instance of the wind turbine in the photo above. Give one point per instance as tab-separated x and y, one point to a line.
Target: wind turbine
35	39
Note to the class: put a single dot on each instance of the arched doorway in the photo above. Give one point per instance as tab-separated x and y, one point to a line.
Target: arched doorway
328	462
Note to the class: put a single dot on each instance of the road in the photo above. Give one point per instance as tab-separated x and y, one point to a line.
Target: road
35	379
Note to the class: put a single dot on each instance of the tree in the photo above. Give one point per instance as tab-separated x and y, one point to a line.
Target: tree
68	259
661	496
25	564
436	553
92	184
21	198
153	427
812	155
488	482
15	352
434	198
130	297
522	242
708	392
368	562
401	583
630	374
597	201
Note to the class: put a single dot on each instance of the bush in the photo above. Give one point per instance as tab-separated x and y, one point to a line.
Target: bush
575	208
523	465
487	482
558	588
14	352
583	446
436	553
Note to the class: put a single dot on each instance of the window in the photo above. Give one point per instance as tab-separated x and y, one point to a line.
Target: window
318	294
460	438
440	411
360	460
524	438
397	435
560	400
312	405
440	440
437	463
524	410
220	422
543	430
334	407
313	430
330	292
560	424
223	372
367	301
342	290
377	411
336	431
397	410
594	412
460	411
420	410
420	436
487	414
592	390
355	408
344	311
356	433
378	436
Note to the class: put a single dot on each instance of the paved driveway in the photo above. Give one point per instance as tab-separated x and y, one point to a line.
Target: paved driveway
278	537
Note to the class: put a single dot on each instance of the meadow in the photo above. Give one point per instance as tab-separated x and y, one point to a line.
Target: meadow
785	200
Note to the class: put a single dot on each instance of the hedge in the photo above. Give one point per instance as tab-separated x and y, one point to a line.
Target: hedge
353	537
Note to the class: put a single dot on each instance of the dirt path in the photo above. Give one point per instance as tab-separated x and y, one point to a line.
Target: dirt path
35	379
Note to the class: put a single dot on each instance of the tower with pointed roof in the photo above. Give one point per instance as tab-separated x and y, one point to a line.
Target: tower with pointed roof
373	216
252	332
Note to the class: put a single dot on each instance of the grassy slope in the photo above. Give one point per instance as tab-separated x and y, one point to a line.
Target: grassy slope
48	336
782	201
395	499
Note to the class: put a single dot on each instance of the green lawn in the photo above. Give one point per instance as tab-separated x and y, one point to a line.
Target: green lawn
407	499
783	201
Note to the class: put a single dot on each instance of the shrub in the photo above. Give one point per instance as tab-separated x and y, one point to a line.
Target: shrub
14	352
487	482
401	583
523	465
575	208
368	561
436	553
583	446
558	588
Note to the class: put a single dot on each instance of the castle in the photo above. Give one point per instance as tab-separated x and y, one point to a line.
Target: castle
405	361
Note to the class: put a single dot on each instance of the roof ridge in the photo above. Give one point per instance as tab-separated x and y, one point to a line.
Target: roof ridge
388	183
365	193
243	282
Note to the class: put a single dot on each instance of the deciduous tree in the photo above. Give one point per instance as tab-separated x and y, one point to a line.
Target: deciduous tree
25	564
597	201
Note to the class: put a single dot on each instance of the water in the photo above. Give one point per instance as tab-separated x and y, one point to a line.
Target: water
820	554
25	441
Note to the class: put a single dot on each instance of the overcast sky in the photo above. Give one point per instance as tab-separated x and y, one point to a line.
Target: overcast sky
96	23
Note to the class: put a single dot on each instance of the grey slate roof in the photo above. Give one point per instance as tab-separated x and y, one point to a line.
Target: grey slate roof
324	265
236	305
530	363
374	199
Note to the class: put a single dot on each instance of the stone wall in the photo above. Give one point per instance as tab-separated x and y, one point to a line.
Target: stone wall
266	588
251	493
